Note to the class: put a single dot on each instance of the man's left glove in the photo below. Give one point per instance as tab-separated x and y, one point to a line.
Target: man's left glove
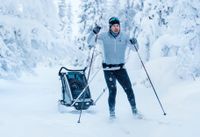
133	41
90	46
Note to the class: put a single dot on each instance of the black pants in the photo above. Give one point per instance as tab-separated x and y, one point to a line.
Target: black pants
122	77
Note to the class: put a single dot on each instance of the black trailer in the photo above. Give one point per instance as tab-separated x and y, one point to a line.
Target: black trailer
75	89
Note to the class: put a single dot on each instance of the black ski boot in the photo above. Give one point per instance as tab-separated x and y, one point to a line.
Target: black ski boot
134	110
136	114
112	113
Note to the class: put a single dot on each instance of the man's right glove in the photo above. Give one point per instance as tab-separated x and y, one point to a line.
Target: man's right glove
96	29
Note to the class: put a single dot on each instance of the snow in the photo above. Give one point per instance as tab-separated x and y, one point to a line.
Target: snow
29	37
35	41
29	107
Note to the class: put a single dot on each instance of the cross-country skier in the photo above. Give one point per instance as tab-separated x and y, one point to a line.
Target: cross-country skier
114	44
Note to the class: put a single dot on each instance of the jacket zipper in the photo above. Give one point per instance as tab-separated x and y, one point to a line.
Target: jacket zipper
115	49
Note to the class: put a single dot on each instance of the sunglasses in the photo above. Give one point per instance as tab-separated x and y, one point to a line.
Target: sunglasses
113	19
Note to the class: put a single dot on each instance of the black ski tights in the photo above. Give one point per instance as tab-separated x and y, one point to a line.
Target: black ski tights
122	77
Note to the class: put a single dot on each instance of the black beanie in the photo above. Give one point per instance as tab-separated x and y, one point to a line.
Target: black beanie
113	20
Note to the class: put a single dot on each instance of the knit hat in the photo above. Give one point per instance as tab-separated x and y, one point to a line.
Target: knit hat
113	20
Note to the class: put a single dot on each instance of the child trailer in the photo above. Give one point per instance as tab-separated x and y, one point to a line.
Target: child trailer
75	89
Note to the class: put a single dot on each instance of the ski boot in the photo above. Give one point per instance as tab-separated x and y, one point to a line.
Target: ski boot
136	114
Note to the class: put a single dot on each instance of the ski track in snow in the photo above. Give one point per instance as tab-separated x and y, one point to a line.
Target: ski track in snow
29	107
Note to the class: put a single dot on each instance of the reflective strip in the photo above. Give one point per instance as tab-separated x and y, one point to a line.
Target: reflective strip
114	68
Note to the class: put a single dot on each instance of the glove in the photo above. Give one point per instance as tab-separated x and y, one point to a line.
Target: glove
133	41
90	46
96	29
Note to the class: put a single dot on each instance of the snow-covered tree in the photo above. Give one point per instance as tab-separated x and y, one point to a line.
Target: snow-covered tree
29	35
188	56
169	28
65	14
87	19
68	29
62	10
91	14
127	14
114	8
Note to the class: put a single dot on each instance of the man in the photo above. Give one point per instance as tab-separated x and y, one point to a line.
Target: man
114	44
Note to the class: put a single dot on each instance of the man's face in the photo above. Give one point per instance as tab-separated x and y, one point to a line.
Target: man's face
115	28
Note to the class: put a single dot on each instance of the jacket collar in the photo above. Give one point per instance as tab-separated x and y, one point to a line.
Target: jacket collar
114	35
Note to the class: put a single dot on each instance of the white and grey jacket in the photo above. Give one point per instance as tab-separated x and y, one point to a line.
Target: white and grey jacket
114	48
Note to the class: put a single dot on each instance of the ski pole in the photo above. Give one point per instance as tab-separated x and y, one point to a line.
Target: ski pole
90	67
100	95
149	79
85	88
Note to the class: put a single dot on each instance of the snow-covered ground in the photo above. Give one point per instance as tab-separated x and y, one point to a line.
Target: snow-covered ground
33	36
29	106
